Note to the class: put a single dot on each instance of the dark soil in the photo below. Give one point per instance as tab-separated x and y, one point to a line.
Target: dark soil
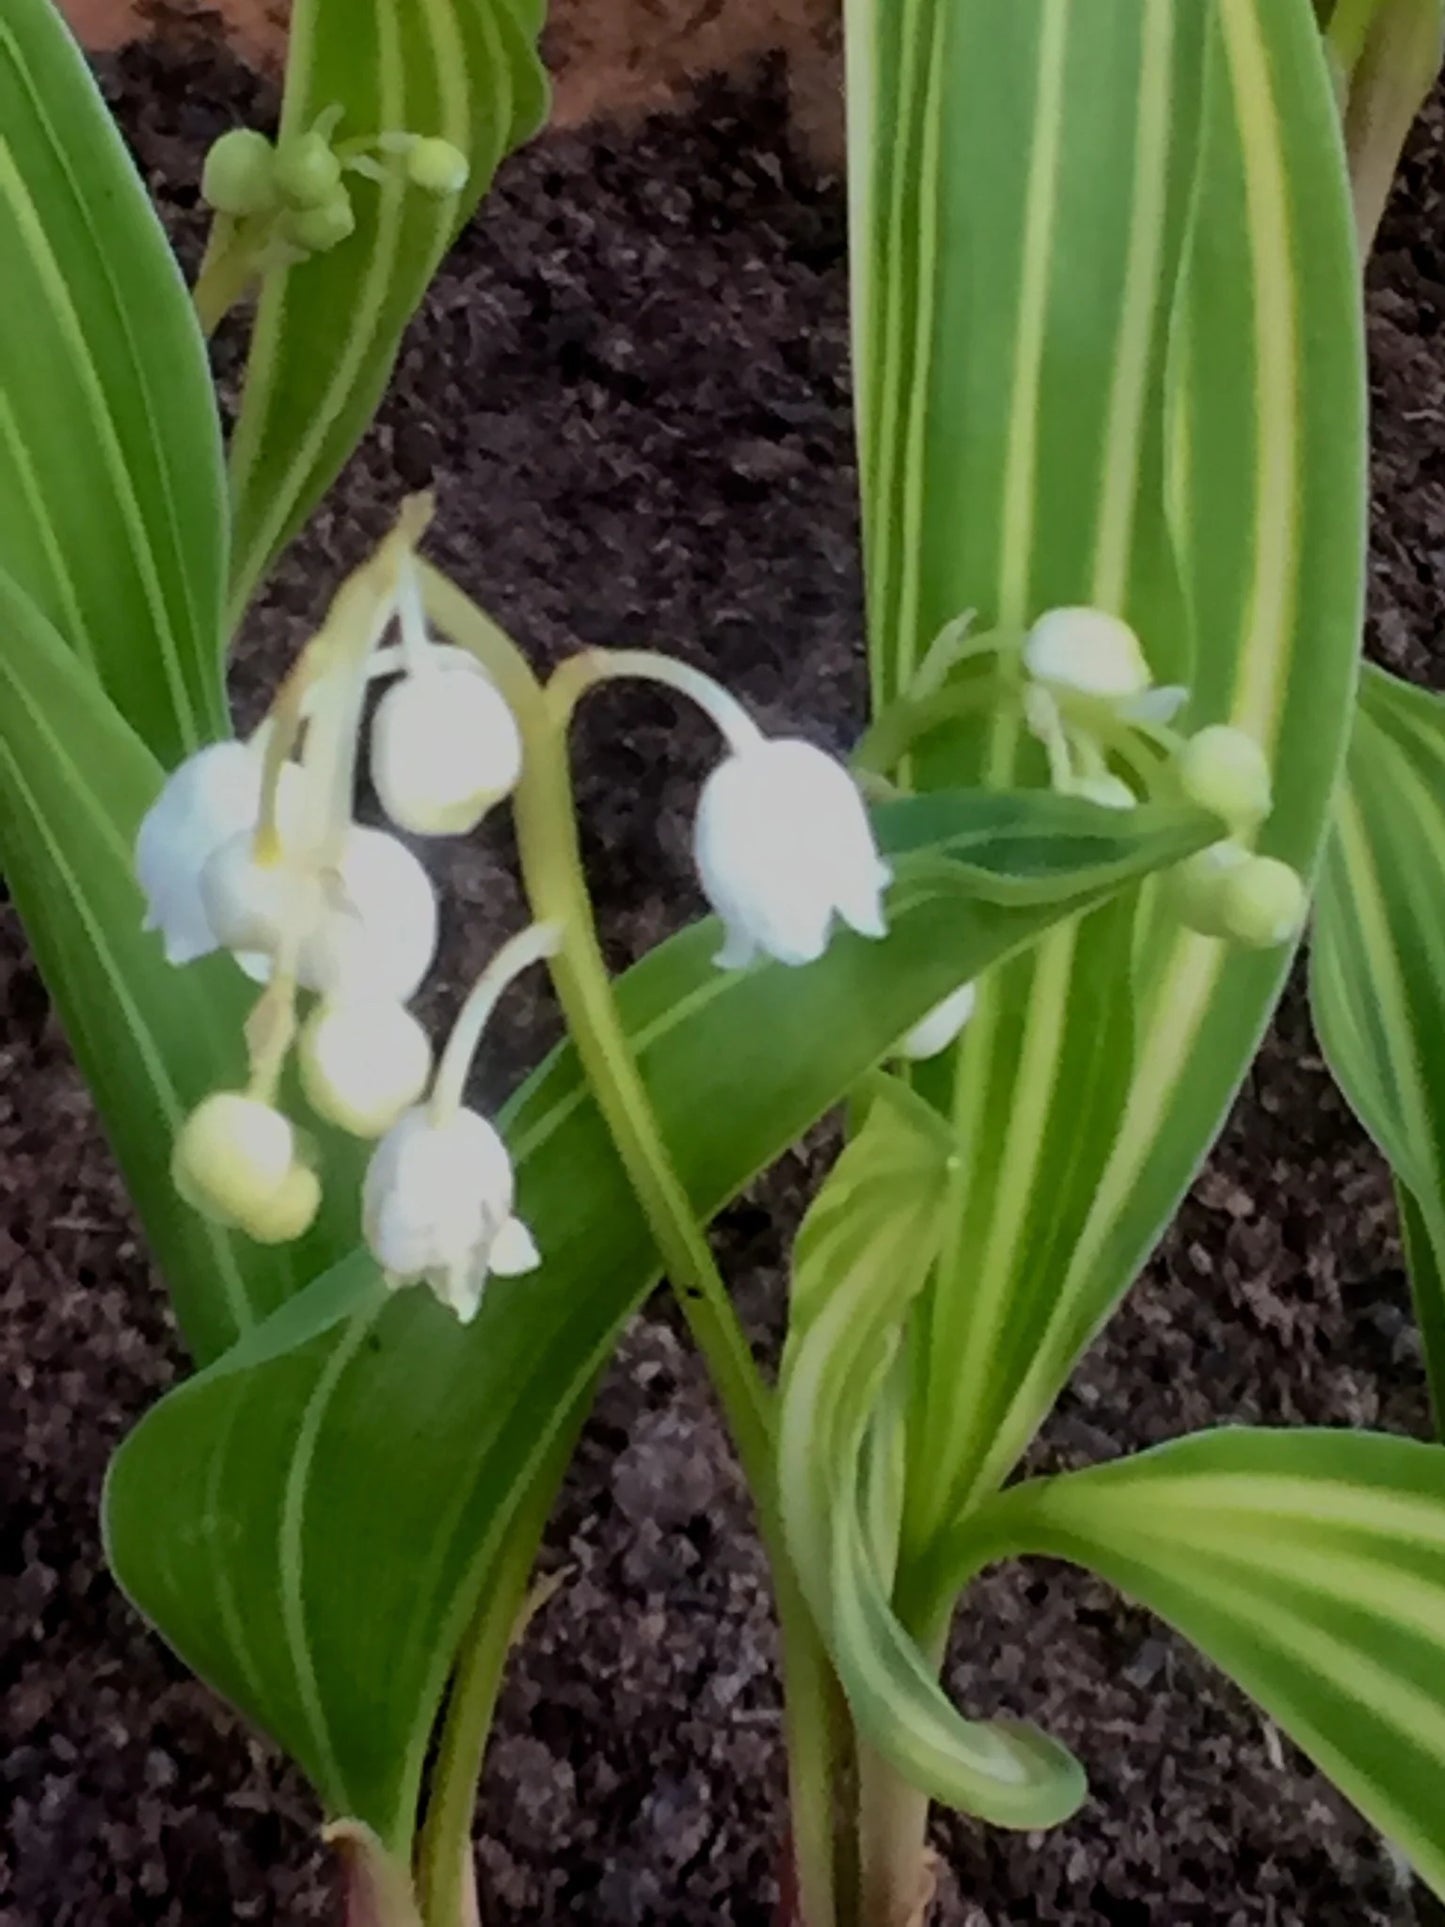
631	388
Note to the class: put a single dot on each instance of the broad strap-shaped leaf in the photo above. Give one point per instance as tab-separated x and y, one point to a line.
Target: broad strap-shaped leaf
1377	968
1386	56
312	1522
75	781
112	492
864	1253
327	330
1309	1565
1109	352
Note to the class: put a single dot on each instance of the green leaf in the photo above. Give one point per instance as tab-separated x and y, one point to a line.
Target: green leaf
75	781
1309	1565
328	330
312	1521
1377	977
112	493
864	1253
1109	352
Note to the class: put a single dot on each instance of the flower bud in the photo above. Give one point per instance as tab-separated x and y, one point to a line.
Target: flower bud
444	748
935	1032
316	230
377	934
363	1061
289	1212
308	171
1089	652
232	1156
239	177
1225	772
1262	902
437	167
1197	885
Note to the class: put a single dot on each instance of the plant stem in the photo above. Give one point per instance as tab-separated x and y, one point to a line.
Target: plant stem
556	886
226	272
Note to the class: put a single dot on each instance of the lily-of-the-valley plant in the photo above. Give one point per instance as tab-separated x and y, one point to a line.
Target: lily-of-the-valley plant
1019	939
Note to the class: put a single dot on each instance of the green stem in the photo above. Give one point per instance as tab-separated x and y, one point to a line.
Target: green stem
547	837
226	273
445	1875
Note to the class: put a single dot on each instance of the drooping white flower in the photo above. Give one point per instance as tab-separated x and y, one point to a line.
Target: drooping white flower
1088	652
372	923
935	1032
437	1208
783	845
212	796
444	748
363	1061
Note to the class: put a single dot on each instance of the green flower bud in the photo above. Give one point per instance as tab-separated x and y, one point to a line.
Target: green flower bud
232	1155
240	174
1262	902
437	167
1225	772
316	230
1198	883
308	171
289	1212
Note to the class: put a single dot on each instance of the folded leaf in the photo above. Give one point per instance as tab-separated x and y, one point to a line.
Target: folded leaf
863	1256
1309	1565
112	493
312	1521
328	330
1377	968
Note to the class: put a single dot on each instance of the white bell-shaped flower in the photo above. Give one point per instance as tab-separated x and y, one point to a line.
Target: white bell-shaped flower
371	923
363	1060
943	1024
444	748
437	1208
1089	652
213	796
783	845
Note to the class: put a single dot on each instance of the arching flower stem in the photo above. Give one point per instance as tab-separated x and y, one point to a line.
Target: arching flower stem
548	842
519	953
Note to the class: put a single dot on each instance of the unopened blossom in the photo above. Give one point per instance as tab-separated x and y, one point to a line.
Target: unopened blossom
236	1160
437	1208
1089	653
1263	903
363	1061
1225	771
933	1034
444	748
783	846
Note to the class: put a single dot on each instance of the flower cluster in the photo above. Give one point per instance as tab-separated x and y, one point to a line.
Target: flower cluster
1091	699
293	195
253	848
